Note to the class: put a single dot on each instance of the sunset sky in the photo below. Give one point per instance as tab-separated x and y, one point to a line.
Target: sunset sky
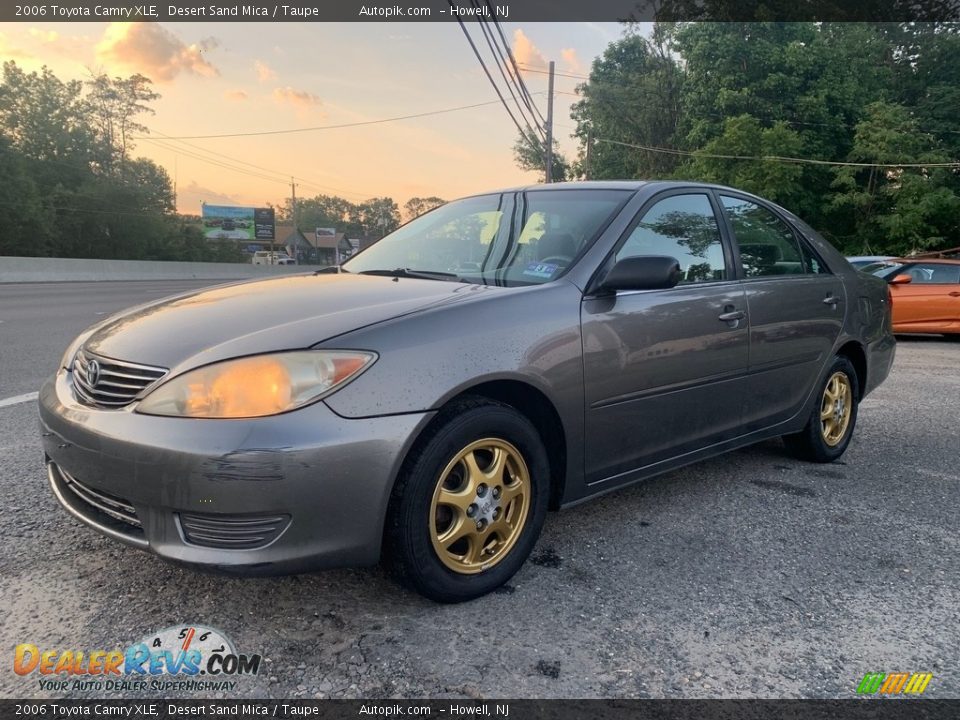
244	77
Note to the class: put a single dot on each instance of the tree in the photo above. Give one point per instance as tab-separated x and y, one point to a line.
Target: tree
416	206
44	118
114	106
745	136
632	98
896	209
377	216
530	153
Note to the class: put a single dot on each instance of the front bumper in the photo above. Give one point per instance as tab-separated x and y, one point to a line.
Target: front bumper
328	478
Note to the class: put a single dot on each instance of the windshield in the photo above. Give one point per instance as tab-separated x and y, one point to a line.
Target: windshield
882	269
498	239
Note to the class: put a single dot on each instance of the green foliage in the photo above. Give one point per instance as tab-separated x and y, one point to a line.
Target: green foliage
880	93
68	185
745	136
530	153
632	97
414	207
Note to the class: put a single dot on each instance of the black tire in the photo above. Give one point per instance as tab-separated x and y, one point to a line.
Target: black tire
809	444
408	548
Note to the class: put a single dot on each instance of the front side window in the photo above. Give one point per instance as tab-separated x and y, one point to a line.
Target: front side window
767	245
683	227
934	273
530	238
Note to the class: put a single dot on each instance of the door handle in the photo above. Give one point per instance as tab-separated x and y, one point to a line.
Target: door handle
954	294
831	300
732	316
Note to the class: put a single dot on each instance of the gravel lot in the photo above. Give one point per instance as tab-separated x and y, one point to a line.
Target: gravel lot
750	575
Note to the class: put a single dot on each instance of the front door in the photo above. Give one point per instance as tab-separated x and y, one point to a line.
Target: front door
930	302
663	369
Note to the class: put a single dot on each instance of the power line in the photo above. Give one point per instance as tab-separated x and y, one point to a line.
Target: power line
776	158
501	65
529	68
515	74
339	126
476	53
304	181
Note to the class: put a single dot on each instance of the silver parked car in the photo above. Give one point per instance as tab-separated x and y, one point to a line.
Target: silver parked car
595	334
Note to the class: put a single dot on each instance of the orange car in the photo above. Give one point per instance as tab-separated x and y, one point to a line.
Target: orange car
926	295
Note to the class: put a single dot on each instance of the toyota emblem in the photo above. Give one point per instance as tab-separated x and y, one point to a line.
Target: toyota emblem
93	373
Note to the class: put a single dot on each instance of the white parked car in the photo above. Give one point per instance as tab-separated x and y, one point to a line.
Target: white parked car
265	257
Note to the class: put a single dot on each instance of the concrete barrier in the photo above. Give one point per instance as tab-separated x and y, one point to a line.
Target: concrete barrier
30	269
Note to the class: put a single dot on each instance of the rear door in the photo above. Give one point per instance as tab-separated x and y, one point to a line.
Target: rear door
663	368
796	309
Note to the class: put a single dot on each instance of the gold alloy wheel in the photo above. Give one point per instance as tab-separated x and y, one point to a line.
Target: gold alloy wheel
836	408
480	506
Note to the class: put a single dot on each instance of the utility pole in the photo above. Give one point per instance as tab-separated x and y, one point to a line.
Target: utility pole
293	211
589	148
549	152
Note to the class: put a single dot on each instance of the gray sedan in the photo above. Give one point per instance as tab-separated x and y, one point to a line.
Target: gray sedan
593	335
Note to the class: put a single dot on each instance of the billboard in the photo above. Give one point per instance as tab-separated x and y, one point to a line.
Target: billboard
229	222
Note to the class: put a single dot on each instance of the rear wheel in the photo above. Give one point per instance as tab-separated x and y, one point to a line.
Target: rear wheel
470	502
830	427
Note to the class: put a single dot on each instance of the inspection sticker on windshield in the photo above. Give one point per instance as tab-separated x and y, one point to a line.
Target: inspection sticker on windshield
541	270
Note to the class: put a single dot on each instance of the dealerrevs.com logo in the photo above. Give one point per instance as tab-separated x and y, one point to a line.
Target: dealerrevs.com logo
199	658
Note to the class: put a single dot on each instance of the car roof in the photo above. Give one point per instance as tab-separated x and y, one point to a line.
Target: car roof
935	261
632	185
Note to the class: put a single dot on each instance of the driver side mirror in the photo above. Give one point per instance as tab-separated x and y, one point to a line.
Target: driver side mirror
901	279
644	272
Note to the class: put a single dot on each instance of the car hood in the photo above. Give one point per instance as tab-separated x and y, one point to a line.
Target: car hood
285	313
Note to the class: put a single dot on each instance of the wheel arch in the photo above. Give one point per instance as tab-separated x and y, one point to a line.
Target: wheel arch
854	352
532	403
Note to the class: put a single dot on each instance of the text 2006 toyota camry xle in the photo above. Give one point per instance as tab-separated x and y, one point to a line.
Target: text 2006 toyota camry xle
431	399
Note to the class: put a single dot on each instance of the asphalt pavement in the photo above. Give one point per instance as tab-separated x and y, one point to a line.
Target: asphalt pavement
749	575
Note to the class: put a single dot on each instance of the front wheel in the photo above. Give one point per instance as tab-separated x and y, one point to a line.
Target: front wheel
830	427
470	502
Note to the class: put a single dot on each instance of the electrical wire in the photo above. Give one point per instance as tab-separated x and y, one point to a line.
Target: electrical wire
501	62
476	53
777	158
339	126
513	62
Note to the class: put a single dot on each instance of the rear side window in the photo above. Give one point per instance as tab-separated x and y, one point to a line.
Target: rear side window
767	245
683	227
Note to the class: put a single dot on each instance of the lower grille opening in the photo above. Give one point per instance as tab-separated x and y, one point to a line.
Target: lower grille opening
232	532
100	507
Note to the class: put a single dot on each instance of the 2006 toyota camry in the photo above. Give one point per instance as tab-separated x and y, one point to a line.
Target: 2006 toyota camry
430	399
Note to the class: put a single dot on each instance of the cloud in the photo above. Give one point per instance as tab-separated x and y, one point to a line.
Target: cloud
44	36
571	61
297	98
236	95
154	51
264	72
8	51
526	52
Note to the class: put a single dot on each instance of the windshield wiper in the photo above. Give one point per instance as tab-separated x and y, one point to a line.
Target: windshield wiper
407	272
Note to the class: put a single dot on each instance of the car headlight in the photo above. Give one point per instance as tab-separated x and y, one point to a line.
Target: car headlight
256	386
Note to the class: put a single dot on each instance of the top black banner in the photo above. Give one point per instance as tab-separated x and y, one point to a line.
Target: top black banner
500	10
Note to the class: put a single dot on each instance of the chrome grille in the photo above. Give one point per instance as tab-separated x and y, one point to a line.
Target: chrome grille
237	532
111	383
110	505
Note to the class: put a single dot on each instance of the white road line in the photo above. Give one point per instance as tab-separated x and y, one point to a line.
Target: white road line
17	399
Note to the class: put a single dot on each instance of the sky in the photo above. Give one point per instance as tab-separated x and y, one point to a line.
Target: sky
217	78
